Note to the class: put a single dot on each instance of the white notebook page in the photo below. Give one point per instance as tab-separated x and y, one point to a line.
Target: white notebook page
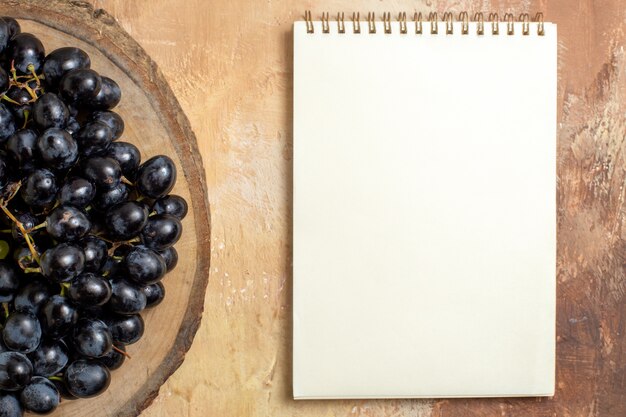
424	213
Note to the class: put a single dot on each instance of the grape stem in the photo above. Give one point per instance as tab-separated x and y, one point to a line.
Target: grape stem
5	307
121	352
55	378
31	68
10	100
39	226
127	181
20	226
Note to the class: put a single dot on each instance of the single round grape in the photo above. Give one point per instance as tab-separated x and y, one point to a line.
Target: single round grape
9	281
63	262
67	223
21	147
102	171
57	148
156	177
171	204
49	358
108	198
145	266
60	61
126	329
170	255
50	111
127	155
94	138
15	371
26	49
126	298
80	85
114	359
108	97
155	293
13	25
77	192
111	119
40	396
57	316
87	378
95	253
33	295
126	220
28	222
21	332
91	338
161	231
23	106
10	406
89	289
39	188
5	33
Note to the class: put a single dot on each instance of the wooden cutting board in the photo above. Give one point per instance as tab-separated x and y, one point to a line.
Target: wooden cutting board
155	123
229	64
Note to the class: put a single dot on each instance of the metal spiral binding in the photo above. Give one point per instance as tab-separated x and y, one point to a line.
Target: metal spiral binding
433	20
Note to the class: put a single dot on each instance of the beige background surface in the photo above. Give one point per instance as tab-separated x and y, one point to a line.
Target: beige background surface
229	63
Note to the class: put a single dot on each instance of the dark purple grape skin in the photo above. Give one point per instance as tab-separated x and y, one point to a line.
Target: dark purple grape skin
114	359
94	138
4	81
21	147
21	332
22	97
4	173
156	177
102	171
95	250
145	266
57	148
49	358
28	222
155	293
109	198
5	33
50	111
13	25
171	204
7	123
15	371
126	220
170	255
40	396
10	405
91	338
126	298
77	192
161	231
33	295
57	316
89	289
108	97
80	85
60	61
87	378
26	49
127	155
72	126
67	223
9	281
62	263
39	188
126	329
111	119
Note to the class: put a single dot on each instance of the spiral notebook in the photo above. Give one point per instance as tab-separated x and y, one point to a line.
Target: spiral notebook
424	224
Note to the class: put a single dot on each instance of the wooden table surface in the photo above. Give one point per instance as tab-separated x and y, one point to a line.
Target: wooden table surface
229	64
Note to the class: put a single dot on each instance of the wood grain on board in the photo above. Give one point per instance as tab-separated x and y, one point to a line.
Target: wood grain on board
229	64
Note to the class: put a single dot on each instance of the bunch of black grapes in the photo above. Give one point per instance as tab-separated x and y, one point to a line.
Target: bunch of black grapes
86	229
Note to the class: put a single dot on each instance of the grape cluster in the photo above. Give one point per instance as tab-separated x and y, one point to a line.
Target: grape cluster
86	229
